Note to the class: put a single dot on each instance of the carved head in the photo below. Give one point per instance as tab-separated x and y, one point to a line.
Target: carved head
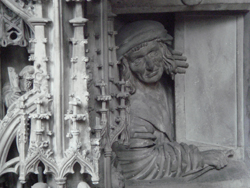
26	78
142	45
146	61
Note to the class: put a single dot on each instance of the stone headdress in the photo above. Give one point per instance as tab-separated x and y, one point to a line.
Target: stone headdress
139	32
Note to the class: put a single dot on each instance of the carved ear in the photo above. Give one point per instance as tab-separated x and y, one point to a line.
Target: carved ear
126	75
125	69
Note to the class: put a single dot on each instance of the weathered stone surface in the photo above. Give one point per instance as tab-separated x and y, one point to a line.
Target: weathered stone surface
209	98
235	175
211	82
212	98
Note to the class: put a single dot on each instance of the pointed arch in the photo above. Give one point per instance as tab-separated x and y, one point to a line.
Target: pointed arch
9	128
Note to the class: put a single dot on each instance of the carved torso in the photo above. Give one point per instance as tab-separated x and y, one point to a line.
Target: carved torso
151	106
152	152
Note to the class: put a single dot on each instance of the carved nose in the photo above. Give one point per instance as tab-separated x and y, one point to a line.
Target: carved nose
149	65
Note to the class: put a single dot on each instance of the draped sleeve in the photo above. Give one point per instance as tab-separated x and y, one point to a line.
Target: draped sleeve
152	152
150	155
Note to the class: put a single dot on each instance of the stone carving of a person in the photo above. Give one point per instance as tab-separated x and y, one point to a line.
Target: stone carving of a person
18	85
152	153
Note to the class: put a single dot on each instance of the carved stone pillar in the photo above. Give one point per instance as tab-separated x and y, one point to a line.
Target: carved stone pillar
79	77
23	142
61	182
81	146
110	119
1	101
39	128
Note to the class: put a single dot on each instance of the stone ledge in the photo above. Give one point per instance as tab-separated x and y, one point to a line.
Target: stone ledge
242	183
148	6
235	175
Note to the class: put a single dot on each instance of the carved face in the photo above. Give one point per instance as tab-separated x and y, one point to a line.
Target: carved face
146	62
26	78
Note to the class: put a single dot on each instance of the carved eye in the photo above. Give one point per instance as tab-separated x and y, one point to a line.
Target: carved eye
153	54
138	61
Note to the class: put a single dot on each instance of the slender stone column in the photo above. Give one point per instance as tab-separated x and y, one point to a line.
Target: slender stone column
22	139
79	78
61	182
58	79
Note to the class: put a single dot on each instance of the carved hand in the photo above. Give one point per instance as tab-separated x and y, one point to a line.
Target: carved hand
175	63
217	158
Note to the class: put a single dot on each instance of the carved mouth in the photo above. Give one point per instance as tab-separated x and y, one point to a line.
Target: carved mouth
152	74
